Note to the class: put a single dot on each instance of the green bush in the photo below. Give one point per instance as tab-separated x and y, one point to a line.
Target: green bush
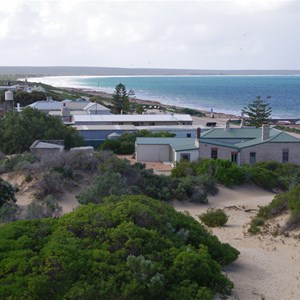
125	144
223	171
184	168
7	192
277	205
129	247
263	177
253	229
214	217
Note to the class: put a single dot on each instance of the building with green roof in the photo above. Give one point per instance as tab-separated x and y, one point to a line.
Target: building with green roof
244	145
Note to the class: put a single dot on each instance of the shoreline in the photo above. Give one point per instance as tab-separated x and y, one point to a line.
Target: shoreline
217	115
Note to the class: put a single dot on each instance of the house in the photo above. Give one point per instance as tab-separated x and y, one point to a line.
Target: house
79	106
244	145
136	120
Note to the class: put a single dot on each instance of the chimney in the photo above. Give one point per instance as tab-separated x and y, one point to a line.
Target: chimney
198	133
227	126
265	132
197	139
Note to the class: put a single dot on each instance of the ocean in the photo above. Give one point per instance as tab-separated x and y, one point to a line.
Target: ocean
220	93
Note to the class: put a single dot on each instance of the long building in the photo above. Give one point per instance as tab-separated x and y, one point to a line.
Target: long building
136	120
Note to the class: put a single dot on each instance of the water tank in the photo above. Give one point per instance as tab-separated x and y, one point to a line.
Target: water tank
9	96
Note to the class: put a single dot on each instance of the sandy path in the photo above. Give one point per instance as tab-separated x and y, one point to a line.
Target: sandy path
268	267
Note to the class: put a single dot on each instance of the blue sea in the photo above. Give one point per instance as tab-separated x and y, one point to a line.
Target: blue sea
220	93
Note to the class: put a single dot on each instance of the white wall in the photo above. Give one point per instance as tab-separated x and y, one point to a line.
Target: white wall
153	153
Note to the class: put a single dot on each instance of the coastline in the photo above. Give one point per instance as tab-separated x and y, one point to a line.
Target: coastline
217	115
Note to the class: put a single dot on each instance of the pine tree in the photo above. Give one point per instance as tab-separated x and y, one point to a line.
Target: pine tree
258	111
121	98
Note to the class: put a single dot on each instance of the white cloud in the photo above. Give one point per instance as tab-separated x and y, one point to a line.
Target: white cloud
175	34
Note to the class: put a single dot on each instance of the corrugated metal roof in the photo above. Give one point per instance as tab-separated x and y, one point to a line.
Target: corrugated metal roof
133	118
218	137
46	105
105	127
178	144
95	106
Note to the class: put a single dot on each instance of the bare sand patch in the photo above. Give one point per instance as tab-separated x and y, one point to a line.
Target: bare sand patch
268	267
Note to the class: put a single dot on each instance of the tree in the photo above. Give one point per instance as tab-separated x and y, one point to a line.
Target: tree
7	192
121	98
19	131
258	111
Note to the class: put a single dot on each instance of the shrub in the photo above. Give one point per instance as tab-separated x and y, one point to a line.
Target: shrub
214	217
129	247
8	212
253	229
263	177
277	205
51	183
255	224
44	208
19	162
7	192
224	171
184	168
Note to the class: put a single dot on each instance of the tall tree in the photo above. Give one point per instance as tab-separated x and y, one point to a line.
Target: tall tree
258	111
121	98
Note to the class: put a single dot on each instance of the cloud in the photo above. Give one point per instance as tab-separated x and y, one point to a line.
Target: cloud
174	34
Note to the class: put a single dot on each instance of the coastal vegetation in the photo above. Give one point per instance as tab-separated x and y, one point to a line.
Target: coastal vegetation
125	144
218	170
19	130
128	247
7	192
214	217
119	177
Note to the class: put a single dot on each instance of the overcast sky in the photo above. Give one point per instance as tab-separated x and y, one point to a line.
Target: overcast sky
241	34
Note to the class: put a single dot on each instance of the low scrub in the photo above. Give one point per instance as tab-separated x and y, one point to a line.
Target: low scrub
223	171
282	202
214	217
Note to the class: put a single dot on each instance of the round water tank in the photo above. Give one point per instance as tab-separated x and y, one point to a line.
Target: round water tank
9	96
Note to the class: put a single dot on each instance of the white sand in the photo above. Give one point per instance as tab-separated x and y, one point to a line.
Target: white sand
268	267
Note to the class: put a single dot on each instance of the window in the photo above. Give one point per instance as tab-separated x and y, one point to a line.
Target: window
185	156
285	155
151	123
121	123
234	157
188	135
252	158
214	153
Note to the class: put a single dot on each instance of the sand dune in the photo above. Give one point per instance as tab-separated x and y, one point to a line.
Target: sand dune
268	267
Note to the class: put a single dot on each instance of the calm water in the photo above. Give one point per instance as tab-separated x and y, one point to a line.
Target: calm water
227	94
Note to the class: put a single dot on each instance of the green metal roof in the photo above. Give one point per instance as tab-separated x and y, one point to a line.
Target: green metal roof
246	137
236	133
178	144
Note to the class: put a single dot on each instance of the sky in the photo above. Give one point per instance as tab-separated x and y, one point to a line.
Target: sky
178	34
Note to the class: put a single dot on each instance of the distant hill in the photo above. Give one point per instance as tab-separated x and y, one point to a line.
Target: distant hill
68	71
